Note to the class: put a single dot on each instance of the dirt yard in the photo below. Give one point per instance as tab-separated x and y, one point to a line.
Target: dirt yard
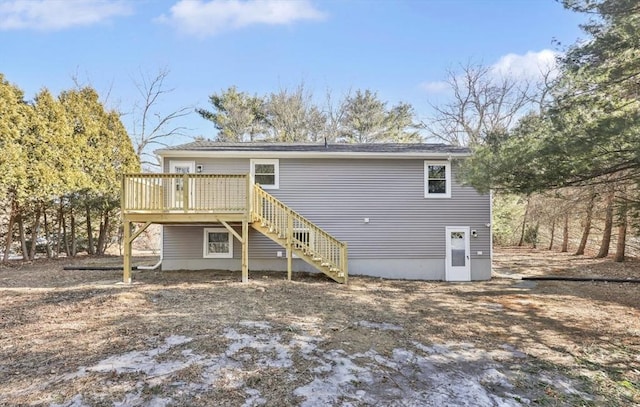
77	338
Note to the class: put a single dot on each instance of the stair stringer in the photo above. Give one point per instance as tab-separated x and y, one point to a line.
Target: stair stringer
337	276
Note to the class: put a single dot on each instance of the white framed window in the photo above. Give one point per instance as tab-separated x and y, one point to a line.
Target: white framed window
218	243
266	172
437	179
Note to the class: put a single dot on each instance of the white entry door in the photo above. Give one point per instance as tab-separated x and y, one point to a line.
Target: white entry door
177	194
458	267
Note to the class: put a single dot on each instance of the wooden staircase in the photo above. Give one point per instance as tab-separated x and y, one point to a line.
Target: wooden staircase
298	235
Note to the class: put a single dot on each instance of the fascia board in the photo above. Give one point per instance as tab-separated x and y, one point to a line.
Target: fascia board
304	154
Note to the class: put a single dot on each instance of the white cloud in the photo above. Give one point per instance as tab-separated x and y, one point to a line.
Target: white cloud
58	14
529	66
435	86
206	18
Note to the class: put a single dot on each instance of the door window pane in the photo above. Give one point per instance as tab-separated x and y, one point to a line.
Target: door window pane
458	250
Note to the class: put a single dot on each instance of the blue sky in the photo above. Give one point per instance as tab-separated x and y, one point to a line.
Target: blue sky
400	49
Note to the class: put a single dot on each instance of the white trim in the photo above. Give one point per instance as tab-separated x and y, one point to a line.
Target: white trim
491	227
447	174
467	249
205	251
161	159
276	165
308	154
172	169
173	164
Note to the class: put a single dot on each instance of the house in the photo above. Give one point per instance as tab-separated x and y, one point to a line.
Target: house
387	210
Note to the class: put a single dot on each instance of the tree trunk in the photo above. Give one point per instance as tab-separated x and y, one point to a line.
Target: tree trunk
9	239
74	245
608	226
565	234
47	234
65	240
553	233
23	239
524	223
587	226
34	234
120	239
622	239
90	247
102	235
60	228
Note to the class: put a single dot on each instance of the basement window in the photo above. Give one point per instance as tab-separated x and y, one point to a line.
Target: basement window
437	179
218	243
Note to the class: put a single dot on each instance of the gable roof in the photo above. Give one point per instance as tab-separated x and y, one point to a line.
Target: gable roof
278	150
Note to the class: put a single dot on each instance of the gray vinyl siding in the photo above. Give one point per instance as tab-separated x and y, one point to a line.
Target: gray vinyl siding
187	242
338	194
214	166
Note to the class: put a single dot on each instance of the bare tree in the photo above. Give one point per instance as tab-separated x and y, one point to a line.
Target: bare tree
150	127
292	117
334	113
483	102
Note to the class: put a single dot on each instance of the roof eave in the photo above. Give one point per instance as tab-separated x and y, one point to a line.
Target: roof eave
309	154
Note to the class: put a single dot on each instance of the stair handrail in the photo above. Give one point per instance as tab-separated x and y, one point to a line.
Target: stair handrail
305	236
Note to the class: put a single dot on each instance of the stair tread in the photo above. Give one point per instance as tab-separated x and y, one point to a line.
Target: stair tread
277	231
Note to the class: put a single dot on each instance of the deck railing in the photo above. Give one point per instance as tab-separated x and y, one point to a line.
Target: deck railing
325	250
191	193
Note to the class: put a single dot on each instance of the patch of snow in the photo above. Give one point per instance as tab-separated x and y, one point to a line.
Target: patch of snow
76	401
459	374
445	376
435	349
342	373
564	385
514	352
384	326
494	377
305	343
265	344
159	402
264	325
144	361
254	398
131	399
175	340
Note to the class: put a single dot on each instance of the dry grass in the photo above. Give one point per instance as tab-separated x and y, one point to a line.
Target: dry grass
211	340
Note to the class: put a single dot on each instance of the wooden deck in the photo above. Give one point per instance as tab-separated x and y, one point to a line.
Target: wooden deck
185	198
224	199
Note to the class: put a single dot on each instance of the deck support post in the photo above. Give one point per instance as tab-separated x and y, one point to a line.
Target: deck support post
126	268
289	245
344	262
128	244
245	251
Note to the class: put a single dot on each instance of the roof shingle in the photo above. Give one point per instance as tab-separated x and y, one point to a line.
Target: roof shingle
208	145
